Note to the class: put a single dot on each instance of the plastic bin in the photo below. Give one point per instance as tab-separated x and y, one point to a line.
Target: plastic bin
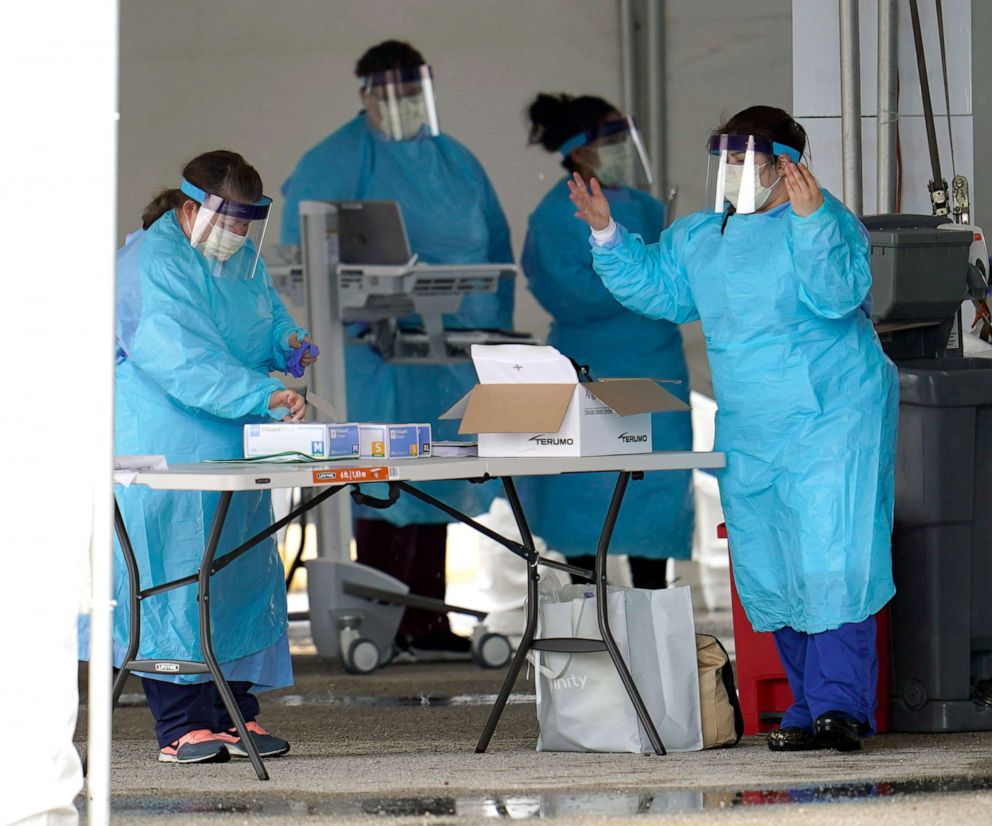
761	682
942	547
906	252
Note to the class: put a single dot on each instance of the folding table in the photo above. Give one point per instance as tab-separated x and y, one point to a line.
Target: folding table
330	478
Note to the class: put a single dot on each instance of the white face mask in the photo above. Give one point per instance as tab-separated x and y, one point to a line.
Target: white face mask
616	164
732	187
412	115
221	244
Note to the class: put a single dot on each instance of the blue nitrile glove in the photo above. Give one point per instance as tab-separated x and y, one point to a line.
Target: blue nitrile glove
293	366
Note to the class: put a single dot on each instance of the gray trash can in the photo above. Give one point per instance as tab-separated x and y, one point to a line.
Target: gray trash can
942	548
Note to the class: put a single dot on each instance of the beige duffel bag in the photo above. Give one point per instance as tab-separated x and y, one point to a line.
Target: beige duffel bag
723	723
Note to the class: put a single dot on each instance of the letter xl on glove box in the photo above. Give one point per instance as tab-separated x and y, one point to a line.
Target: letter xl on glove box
530	403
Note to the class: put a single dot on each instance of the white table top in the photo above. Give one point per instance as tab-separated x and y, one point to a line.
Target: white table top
259	476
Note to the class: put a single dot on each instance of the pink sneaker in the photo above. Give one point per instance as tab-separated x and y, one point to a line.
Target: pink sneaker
267	744
199	746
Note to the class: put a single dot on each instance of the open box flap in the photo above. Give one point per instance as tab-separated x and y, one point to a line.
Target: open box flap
516	408
628	397
457	410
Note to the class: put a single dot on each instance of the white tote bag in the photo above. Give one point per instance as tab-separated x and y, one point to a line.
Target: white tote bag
581	702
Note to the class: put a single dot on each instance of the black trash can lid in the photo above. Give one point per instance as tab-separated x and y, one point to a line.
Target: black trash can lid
962	382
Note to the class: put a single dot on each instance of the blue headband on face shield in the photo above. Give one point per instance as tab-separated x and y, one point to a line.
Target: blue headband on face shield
573	143
782	149
257	211
194	192
622	126
741	143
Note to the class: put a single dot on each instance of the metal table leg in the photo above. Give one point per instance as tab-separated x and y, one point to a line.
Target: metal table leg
533	577
527	643
207	568
203	585
603	614
134	604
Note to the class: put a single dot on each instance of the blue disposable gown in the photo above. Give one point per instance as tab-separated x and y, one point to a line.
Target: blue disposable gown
452	216
194	354
808	403
592	327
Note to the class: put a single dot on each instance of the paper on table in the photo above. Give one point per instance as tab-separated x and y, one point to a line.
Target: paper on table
126	468
456	448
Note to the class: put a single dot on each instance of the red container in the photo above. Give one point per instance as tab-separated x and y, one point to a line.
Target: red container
764	690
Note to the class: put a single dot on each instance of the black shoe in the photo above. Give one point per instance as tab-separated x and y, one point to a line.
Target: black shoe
838	730
792	739
439	646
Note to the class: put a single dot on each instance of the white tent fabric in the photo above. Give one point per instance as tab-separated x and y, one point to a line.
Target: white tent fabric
58	65
41	706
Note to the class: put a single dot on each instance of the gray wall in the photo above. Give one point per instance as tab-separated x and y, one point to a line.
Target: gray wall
270	79
722	57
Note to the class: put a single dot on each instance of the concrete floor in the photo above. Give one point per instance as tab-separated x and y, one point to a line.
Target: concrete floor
399	747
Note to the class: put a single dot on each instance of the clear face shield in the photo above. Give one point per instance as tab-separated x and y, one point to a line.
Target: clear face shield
227	233
400	103
615	152
742	172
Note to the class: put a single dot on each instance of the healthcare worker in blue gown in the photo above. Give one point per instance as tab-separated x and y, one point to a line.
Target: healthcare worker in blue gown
393	150
199	328
776	269
593	328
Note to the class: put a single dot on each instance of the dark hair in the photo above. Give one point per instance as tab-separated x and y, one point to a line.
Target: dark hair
769	123
392	54
556	118
219	172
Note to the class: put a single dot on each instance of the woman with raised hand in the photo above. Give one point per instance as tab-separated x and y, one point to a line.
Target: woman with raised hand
777	270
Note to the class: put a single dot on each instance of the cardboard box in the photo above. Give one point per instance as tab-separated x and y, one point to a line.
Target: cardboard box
315	439
558	418
395	441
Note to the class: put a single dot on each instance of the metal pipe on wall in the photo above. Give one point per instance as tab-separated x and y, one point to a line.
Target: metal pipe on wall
888	105
627	56
656	96
850	104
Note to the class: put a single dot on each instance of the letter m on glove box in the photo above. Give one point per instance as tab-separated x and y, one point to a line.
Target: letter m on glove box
599	418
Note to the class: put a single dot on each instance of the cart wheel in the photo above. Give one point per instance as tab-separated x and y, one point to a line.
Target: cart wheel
492	651
362	656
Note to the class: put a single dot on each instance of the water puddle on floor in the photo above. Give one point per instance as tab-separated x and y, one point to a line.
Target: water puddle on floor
329	698
548	805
